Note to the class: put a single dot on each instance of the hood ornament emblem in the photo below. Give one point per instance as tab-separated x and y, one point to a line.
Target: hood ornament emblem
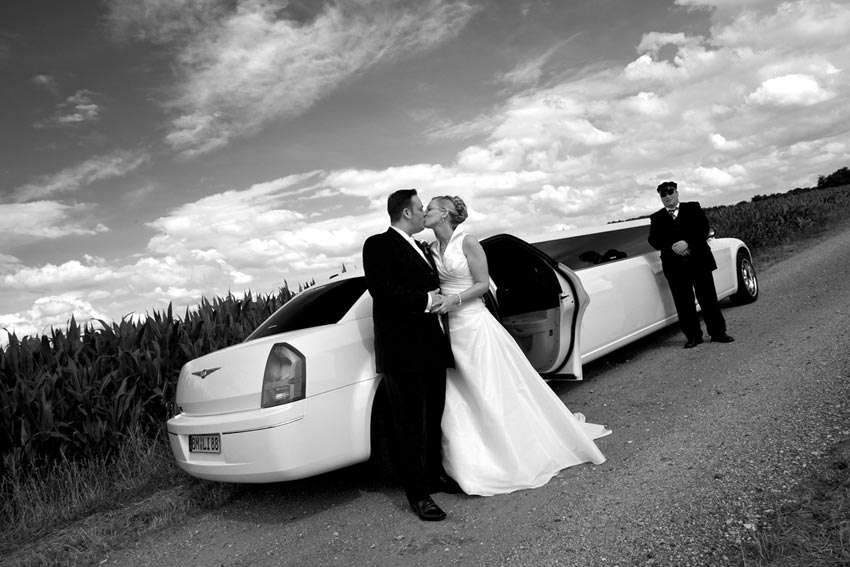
206	372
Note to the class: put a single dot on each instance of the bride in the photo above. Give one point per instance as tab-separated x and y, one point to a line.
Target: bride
504	429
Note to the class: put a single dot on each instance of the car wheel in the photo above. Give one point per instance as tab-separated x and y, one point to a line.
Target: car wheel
748	285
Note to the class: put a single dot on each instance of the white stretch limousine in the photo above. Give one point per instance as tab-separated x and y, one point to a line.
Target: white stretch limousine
297	398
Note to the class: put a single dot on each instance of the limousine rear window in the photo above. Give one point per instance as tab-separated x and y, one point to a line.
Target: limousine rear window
313	307
579	252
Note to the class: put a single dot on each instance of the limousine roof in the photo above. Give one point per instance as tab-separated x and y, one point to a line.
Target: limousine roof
596	229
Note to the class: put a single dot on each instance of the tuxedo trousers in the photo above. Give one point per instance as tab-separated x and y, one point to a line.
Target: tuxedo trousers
686	283
416	401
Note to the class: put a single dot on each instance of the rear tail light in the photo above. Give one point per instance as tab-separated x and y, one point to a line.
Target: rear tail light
285	378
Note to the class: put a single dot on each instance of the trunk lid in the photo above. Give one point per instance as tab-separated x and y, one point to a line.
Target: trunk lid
228	380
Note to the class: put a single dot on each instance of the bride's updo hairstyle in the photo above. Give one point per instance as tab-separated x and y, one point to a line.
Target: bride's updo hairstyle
455	207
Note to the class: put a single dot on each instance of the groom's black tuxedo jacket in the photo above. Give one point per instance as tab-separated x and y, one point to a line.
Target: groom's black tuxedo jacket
399	279
690	225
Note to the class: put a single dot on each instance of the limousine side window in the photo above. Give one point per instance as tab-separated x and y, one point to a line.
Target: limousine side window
585	251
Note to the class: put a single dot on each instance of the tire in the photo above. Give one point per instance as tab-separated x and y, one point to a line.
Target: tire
748	285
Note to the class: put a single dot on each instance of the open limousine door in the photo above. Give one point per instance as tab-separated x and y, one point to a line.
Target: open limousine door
540	302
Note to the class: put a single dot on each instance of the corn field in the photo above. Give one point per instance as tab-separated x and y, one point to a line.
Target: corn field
771	220
77	393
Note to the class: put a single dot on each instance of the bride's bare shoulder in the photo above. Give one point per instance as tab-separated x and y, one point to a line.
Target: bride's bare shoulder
471	244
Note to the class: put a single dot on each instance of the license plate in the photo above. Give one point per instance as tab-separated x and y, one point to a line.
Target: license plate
205	443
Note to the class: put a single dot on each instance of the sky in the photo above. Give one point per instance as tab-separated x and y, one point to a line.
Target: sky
160	151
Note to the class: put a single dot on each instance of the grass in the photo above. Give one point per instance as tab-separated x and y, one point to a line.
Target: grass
74	512
813	530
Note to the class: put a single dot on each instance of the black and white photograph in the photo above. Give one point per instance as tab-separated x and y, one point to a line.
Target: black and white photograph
404	283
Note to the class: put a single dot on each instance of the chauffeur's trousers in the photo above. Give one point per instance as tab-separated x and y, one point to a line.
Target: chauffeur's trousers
684	284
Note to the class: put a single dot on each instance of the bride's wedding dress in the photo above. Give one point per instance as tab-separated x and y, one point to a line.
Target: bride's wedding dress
504	429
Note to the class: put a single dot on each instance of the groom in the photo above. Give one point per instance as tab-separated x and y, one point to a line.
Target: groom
411	350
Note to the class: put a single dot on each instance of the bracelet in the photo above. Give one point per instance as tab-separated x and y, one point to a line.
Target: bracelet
459	299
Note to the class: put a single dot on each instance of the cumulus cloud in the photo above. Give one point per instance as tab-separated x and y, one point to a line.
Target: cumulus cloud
652	42
721	143
77	109
260	235
717	177
46	313
70	274
786	27
8	263
563	200
501	155
92	288
646	67
45	81
256	236
649	104
666	108
718	111
99	168
253	63
225	220
40	220
790	90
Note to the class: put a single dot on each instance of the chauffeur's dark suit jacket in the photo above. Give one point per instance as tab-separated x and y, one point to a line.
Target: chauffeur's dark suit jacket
688	274
412	352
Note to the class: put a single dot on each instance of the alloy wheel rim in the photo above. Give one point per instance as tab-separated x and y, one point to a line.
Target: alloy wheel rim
749	277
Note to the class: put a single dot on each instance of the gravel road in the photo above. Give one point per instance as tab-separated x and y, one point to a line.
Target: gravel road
706	442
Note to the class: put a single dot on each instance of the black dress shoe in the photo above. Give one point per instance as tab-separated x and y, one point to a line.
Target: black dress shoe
447	485
724	338
428	510
692	343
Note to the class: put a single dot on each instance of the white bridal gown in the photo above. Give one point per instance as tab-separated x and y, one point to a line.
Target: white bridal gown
504	429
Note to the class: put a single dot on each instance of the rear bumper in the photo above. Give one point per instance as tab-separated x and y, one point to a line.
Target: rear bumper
298	440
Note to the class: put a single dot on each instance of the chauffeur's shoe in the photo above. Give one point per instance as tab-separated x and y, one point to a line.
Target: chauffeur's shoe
428	510
724	338
692	343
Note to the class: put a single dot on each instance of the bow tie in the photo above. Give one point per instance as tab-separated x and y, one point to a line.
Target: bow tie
673	211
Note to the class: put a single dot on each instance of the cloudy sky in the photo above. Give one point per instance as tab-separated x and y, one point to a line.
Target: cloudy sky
156	151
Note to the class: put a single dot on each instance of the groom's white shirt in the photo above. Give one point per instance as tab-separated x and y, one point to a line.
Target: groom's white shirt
418	251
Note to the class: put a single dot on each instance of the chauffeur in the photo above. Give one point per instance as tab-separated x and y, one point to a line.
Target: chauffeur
680	232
